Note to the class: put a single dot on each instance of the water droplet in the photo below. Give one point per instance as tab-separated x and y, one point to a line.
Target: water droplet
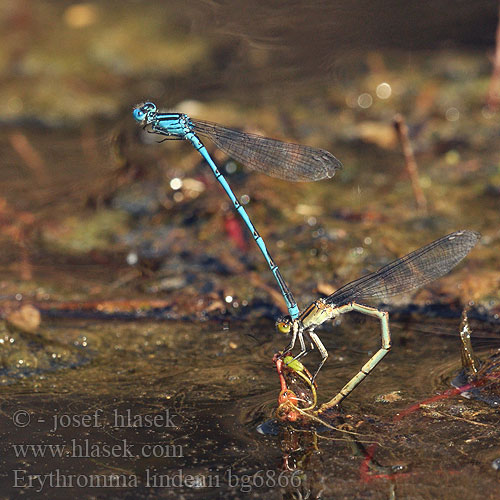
132	259
487	113
383	90
452	114
178	197
365	100
176	183
231	167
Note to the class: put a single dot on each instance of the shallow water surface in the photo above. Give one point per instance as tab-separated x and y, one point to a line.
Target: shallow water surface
173	410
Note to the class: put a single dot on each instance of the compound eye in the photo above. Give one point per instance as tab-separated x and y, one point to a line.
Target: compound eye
284	327
139	114
149	107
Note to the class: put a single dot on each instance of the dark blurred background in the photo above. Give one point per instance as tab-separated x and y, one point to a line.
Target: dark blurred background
99	56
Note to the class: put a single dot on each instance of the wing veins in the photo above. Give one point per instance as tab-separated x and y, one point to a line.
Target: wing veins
409	272
284	160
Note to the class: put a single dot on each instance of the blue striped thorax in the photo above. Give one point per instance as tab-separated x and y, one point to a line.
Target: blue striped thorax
169	124
174	124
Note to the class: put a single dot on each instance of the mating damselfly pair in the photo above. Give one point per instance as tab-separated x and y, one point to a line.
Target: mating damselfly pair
295	162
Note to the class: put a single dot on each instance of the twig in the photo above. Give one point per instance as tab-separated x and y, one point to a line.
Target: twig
493	98
29	154
276	296
456	417
410	162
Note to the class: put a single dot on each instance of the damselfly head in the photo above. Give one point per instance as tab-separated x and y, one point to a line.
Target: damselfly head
284	324
145	112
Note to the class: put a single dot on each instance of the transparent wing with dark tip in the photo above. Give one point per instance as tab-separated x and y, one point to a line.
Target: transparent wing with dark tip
292	162
409	272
